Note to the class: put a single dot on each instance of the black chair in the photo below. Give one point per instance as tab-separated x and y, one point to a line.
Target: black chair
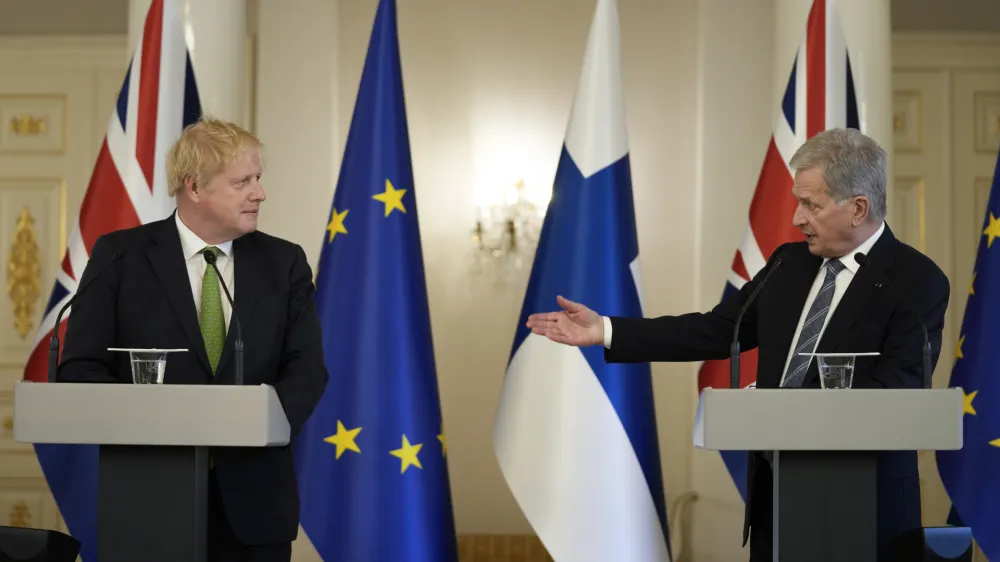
933	544
21	544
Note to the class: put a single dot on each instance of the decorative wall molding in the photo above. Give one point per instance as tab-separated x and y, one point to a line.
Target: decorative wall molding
73	52
33	123
24	283
958	73
908	121
929	51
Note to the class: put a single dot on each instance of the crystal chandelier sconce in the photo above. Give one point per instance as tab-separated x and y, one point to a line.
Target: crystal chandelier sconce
507	229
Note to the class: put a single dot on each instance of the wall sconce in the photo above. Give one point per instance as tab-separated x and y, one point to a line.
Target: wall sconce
507	228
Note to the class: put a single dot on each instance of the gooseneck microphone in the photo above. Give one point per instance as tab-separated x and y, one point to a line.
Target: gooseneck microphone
734	347
863	260
54	340
238	348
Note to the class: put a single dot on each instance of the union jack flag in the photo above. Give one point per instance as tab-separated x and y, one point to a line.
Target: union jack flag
158	98
820	95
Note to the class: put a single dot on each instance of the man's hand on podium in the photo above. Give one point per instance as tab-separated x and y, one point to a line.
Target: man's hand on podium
575	325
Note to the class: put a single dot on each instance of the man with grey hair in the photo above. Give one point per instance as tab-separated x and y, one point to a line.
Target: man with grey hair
819	300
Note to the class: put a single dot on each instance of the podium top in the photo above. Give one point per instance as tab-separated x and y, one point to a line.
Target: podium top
829	420
149	414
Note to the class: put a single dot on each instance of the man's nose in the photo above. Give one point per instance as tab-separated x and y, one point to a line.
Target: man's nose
259	194
797	218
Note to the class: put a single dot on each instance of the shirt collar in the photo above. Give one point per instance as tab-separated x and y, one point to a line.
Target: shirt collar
191	243
865	247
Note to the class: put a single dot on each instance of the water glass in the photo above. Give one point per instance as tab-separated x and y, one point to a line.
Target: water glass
835	371
148	367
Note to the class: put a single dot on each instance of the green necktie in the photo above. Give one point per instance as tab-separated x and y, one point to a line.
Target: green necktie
213	323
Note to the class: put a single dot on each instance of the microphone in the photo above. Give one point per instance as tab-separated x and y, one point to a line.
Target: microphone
734	347
862	259
54	340
238	348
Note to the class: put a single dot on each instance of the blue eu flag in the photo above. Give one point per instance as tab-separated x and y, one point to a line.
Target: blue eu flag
371	460
971	475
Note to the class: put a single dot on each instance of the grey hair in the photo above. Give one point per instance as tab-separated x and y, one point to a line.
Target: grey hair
853	164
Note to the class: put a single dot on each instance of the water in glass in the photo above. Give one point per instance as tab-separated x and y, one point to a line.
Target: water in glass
147	370
836	372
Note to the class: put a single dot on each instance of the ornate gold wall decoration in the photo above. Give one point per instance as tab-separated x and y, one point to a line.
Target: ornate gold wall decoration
34	123
20	515
27	126
24	273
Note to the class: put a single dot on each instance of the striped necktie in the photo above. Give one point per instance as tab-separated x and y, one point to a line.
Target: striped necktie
809	336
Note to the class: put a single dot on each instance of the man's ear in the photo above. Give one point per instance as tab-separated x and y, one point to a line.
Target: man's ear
191	187
860	208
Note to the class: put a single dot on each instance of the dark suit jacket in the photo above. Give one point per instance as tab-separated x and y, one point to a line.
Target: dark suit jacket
145	300
869	317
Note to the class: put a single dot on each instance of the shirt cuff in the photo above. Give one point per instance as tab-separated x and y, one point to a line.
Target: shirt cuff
607	332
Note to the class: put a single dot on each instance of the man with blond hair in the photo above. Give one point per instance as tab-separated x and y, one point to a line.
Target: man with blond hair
161	293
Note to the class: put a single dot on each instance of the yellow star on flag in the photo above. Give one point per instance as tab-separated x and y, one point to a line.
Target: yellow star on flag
391	197
995	442
444	444
972	284
967	401
336	224
407	455
958	352
993	230
344	439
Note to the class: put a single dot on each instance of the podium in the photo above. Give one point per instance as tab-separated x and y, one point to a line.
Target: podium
153	442
825	445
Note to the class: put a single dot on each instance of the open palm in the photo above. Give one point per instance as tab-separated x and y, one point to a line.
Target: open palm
574	325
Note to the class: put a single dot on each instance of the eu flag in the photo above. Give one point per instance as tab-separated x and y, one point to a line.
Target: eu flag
971	475
371	460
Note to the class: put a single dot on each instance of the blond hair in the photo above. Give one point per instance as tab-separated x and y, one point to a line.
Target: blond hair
205	148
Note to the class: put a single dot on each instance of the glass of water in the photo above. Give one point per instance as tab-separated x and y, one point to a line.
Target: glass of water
836	371
149	366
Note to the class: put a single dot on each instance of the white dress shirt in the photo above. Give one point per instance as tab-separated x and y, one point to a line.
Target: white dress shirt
842	282
191	246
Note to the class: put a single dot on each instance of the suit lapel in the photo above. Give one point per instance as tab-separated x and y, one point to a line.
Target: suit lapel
250	280
856	299
167	261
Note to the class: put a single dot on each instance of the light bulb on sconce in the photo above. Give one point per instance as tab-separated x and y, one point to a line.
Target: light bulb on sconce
507	228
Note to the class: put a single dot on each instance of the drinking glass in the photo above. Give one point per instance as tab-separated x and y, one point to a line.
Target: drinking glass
149	366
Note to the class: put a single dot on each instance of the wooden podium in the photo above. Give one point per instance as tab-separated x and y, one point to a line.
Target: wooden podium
154	453
824	444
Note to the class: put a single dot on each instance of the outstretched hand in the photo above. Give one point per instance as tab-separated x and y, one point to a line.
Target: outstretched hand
574	325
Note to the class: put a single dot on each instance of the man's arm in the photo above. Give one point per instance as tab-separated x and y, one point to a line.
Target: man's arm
688	337
91	328
303	374
900	362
